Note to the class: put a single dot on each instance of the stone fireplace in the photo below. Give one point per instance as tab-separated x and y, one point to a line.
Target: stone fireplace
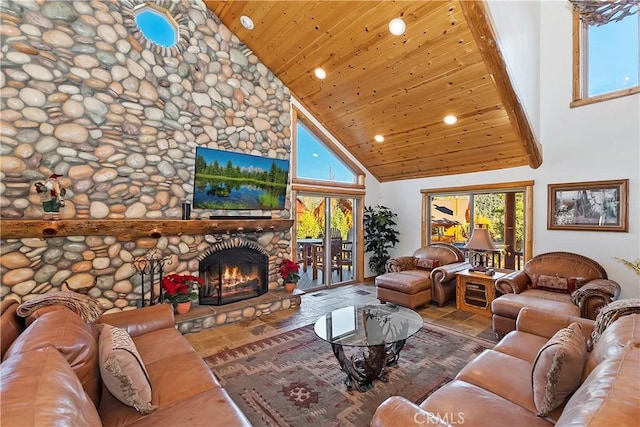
121	129
233	270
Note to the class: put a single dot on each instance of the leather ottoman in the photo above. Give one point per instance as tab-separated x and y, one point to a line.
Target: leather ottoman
407	290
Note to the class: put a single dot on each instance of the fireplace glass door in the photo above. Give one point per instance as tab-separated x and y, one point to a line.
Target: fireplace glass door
232	275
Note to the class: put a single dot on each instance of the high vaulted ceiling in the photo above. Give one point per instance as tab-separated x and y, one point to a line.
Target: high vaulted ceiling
401	87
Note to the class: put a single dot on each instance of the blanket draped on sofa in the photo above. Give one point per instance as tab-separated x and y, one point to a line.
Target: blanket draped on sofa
85	306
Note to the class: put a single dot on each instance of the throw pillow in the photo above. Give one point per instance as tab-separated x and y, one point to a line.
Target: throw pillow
557	369
564	285
427	264
122	370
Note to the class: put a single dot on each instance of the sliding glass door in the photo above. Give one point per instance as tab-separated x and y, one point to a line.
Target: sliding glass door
325	240
451	215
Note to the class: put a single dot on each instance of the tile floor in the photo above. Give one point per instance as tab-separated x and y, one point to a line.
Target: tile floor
314	305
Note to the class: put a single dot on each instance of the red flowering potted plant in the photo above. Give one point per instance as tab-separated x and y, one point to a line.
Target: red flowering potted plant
180	290
288	270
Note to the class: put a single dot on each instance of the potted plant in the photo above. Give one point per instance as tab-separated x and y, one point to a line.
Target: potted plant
181	290
635	266
380	234
288	270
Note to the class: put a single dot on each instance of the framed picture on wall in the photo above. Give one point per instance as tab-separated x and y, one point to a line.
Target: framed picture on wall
590	206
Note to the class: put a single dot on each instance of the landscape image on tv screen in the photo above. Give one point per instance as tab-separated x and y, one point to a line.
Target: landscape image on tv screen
236	181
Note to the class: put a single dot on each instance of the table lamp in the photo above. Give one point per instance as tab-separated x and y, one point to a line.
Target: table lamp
480	241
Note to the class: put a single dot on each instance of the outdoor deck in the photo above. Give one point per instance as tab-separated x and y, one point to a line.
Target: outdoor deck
306	281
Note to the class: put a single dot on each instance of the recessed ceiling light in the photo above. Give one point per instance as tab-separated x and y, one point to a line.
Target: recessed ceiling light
246	22
320	73
315	154
397	26
450	119
379	138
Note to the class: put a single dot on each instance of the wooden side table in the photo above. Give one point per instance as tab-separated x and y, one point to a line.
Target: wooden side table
475	291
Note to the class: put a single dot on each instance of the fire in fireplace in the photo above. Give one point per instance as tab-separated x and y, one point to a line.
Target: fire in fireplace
233	270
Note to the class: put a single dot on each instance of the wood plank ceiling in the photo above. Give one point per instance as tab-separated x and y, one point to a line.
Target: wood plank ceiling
401	87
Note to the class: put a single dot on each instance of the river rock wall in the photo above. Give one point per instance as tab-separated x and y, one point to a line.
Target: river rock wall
84	95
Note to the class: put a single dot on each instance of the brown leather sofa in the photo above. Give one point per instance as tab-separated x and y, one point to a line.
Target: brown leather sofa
593	291
50	373
409	285
496	387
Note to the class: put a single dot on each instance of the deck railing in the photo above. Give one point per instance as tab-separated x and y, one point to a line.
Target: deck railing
497	258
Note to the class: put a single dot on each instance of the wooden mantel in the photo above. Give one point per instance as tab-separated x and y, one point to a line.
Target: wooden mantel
129	229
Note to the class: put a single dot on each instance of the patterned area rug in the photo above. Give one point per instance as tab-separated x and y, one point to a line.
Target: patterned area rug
293	379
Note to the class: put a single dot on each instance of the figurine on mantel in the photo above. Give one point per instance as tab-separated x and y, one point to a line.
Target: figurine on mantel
51	194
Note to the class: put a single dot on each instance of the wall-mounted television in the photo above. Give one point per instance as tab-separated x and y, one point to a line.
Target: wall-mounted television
225	180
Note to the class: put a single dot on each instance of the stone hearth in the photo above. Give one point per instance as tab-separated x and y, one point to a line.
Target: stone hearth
203	317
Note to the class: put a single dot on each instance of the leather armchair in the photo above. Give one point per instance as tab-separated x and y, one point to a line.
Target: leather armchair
443	278
593	289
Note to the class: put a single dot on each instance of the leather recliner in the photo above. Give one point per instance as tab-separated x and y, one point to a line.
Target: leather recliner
409	285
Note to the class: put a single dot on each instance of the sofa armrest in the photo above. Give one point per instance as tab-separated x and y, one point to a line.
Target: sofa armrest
513	283
395	265
546	324
398	411
447	272
11	325
594	295
143	320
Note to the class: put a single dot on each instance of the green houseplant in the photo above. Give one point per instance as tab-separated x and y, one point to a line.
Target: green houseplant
633	265
380	234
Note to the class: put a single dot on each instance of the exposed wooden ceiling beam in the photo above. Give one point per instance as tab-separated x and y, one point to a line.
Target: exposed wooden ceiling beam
446	62
479	23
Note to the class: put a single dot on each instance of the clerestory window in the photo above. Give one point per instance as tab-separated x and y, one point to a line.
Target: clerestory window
316	161
319	161
606	50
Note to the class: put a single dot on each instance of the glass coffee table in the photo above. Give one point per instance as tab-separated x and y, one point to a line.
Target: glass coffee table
379	330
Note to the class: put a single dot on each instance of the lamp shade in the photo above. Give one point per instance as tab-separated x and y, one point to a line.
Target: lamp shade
481	240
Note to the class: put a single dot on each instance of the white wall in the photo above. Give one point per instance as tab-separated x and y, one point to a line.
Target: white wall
595	142
517	24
